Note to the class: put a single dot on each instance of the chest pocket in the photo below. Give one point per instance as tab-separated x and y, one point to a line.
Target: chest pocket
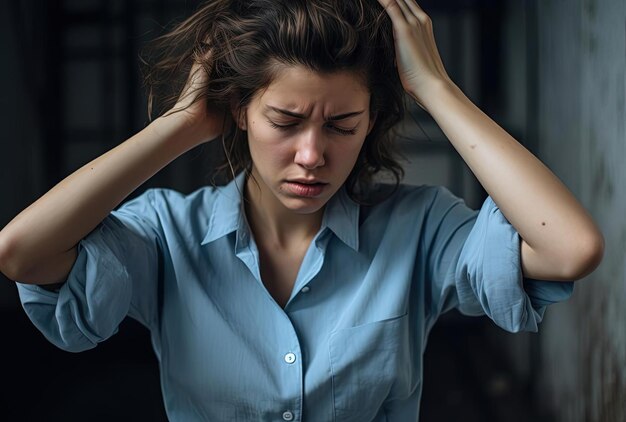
370	363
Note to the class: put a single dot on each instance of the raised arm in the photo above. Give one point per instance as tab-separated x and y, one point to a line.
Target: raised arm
560	241
39	245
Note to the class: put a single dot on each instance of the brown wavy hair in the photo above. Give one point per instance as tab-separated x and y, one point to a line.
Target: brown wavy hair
246	39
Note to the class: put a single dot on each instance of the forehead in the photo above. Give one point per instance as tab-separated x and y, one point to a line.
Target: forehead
300	87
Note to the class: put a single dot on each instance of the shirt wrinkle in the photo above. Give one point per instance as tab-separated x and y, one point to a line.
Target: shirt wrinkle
348	346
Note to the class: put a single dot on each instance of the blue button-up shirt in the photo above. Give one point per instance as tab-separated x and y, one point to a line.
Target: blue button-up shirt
348	345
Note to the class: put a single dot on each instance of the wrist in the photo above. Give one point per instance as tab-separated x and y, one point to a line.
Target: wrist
173	130
437	94
179	128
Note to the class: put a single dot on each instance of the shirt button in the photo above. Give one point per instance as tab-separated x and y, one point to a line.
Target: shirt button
288	416
290	358
305	289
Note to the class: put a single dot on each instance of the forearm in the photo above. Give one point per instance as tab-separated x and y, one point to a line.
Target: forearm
45	233
540	207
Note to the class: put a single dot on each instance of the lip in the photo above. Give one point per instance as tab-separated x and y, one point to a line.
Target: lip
307	181
308	189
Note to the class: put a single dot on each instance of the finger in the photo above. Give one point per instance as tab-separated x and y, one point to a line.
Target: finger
416	10
393	10
408	15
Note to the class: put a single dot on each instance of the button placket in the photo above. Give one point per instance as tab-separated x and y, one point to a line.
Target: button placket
292	371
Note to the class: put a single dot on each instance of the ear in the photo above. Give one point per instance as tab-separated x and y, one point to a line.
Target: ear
239	116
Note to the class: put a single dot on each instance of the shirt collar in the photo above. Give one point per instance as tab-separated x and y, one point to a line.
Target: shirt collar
341	215
227	213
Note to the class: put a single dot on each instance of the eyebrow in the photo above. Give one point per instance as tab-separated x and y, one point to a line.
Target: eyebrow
302	116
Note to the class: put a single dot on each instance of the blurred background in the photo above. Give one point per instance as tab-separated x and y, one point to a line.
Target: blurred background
551	72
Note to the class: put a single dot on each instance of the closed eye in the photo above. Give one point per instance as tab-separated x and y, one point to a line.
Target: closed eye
334	128
283	127
344	131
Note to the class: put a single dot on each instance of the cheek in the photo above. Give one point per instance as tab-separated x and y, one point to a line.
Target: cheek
266	147
347	153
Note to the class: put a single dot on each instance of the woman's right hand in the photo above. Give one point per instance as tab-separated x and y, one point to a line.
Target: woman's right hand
199	120
40	245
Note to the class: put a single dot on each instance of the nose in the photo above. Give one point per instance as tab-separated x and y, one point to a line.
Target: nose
310	149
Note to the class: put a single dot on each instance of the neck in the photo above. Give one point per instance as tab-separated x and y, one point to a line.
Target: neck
272	223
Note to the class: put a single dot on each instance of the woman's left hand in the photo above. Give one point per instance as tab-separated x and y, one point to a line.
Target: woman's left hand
559	239
419	64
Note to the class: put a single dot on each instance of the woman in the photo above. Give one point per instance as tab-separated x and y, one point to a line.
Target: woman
301	290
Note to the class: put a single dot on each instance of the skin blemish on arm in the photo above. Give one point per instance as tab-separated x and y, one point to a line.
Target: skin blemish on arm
473	146
543	223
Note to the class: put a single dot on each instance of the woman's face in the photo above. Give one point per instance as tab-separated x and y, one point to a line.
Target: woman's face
305	132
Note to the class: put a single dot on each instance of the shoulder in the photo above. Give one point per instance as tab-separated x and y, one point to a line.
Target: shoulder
170	204
201	197
409	204
420	196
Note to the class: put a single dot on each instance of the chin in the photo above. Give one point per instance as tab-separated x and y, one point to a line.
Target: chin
304	205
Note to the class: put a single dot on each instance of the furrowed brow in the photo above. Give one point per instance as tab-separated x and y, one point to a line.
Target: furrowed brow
302	116
286	112
342	116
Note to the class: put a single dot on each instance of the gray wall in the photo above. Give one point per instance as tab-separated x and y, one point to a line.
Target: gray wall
576	364
565	82
582	90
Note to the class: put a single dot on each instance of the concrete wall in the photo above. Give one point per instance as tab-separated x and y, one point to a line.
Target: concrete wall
582	138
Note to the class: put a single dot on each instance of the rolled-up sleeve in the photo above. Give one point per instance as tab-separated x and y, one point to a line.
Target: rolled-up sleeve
477	269
115	274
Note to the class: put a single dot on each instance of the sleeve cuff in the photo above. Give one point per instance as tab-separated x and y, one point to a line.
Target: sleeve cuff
92	302
491	262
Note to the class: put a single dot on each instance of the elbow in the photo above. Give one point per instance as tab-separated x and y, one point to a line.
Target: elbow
589	256
9	264
7	261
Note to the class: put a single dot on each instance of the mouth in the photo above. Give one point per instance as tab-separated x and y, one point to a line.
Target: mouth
307	181
305	188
